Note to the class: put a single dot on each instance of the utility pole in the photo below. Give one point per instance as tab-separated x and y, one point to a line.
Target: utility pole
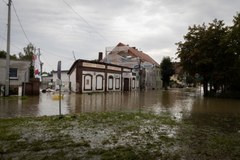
7	82
41	63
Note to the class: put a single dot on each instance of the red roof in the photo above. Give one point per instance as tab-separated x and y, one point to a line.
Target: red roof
136	53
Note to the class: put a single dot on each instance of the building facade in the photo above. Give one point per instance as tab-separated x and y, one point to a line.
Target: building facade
64	78
92	76
18	73
146	68
47	81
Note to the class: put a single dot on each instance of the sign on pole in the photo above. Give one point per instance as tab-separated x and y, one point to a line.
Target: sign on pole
59	70
60	84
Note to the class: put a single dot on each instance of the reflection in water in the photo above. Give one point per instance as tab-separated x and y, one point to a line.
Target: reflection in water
174	101
103	102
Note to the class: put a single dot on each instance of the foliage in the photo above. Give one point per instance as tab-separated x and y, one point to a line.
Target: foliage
28	52
212	51
28	55
4	53
190	79
234	36
167	71
234	48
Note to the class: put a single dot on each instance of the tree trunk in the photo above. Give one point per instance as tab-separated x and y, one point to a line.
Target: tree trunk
205	89
165	85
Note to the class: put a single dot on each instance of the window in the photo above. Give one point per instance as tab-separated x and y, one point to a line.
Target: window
99	82
133	83
117	83
13	73
88	82
110	83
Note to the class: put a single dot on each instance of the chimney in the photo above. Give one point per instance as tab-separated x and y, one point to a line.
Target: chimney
100	56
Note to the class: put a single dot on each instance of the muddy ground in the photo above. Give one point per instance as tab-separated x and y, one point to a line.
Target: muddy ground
118	135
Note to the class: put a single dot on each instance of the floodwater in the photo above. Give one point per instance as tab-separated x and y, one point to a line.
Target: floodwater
174	101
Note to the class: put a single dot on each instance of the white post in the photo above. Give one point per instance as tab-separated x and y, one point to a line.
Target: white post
7	83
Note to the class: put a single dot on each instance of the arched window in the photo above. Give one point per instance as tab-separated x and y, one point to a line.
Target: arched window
87	82
110	83
99	82
117	83
133	83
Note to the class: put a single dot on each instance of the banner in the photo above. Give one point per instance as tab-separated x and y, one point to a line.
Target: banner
37	66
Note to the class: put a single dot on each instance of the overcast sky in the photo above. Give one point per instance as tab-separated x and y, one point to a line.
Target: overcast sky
87	27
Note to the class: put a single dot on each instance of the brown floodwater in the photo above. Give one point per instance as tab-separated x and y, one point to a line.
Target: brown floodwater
174	101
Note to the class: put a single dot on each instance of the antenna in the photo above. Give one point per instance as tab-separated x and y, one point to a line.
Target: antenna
74	56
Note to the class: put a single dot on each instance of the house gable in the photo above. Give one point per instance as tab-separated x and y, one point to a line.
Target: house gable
122	50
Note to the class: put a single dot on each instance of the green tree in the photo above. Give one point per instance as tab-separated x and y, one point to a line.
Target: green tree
28	55
28	52
204	53
167	71
233	40
234	36
3	54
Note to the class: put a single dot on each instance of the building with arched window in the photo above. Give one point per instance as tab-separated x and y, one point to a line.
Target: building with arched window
92	76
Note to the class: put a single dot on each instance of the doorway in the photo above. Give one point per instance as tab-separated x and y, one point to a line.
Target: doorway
126	84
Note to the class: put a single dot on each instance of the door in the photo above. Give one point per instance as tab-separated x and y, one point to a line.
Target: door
126	84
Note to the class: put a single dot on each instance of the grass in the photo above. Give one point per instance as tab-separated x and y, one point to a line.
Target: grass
120	136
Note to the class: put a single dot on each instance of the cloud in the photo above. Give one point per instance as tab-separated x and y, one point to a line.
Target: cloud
154	26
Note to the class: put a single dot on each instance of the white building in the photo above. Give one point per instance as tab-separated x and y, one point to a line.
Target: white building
146	68
64	78
90	76
18	73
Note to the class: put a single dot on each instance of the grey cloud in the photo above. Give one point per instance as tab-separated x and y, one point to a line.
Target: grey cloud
153	25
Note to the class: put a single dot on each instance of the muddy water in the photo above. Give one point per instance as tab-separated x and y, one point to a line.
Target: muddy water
174	101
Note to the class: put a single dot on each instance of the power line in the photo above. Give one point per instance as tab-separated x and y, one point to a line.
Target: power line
3	37
11	43
20	23
85	21
56	55
46	59
47	62
4	2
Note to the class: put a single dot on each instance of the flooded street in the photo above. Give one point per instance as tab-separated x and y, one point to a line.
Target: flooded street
174	101
184	125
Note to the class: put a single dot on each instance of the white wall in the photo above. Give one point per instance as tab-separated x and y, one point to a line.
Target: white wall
73	80
114	83
65	80
93	81
22	71
134	83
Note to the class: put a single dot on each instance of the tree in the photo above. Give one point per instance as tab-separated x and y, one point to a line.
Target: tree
234	36
3	54
28	52
204	53
28	55
167	71
233	40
